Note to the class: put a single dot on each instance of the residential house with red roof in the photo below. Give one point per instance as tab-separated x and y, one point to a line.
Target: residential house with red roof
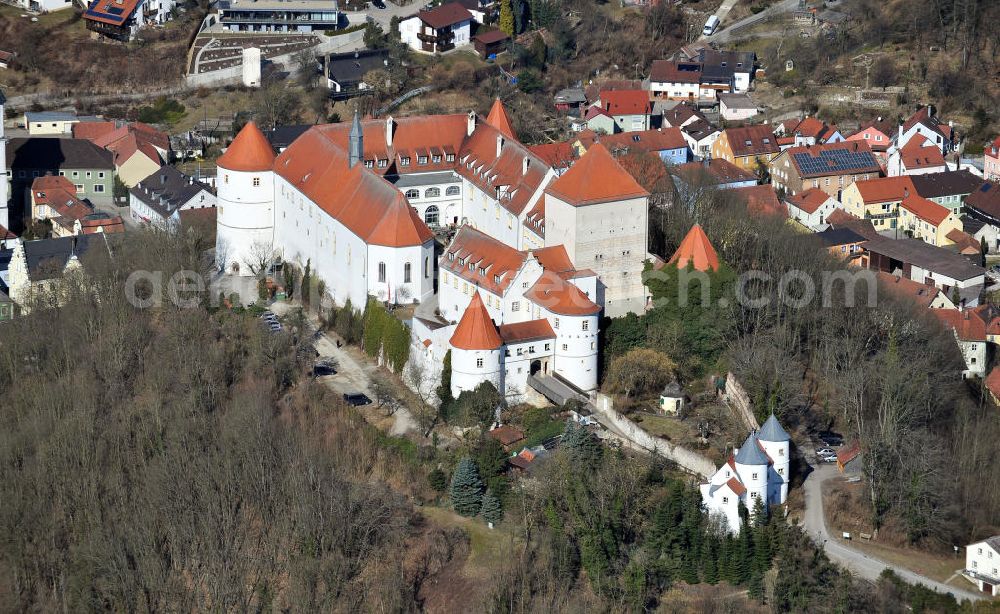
669	80
928	221
919	156
628	108
831	167
139	149
878	134
809	131
925	122
877	200
54	198
439	29
667	143
970	329
811	208
747	147
926	296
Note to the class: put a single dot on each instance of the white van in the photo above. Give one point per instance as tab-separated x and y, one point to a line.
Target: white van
710	26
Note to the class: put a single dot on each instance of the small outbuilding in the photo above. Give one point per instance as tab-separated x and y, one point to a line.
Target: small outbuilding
849	459
672	399
490	44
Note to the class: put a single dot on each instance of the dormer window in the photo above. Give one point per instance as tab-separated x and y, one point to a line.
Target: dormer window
369	163
436	158
421	159
451	255
405	161
767	141
383	163
748	142
496	279
451	157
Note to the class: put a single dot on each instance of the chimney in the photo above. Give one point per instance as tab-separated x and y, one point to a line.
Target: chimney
906	193
499	145
389	124
470	126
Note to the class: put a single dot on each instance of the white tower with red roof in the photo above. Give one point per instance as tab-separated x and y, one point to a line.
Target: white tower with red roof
476	350
245	183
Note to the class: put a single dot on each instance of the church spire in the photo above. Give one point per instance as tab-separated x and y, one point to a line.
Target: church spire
357	144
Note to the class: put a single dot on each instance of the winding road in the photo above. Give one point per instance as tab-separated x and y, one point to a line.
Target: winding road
861	564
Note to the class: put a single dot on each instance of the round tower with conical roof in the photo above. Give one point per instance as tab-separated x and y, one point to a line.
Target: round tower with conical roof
476	350
777	444
752	467
245	186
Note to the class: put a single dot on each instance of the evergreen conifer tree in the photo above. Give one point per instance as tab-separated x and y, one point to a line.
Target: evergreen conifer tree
710	566
582	445
492	509
466	488
506	17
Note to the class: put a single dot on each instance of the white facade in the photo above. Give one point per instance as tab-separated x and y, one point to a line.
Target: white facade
982	565
757	472
974	354
816	220
251	67
674	90
469	368
609	238
245	226
44	6
409	29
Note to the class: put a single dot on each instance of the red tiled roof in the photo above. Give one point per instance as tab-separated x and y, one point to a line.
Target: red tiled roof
993	382
535	219
966	243
595	178
848	453
507	434
926	210
665	71
499	119
824	160
871	131
6	234
751	141
922	294
93	130
968	325
476	330
493	36
556	155
661	139
559	296
365	203
491	258
920	153
144	132
59	193
762	200
110	225
526	331
445	15
722	171
697	251
113	12
480	165
734	485
810	200
924	116
625	102
885	189
249	152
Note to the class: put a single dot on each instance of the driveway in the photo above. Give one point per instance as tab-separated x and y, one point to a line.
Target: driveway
859	563
384	16
353	374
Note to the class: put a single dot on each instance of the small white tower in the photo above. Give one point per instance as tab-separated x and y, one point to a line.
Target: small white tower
245	214
777	444
752	467
251	67
476	350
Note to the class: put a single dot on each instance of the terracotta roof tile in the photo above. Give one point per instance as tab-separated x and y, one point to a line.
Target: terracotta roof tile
762	200
720	170
365	203
848	453
445	15
920	153
557	155
734	485
968	325
662	139
922	294
507	434
595	178
249	152
560	296
927	210
526	331
966	243
751	141
697	251
993	382
665	71
476	330
810	200
499	119
625	102
492	259
114	12
885	189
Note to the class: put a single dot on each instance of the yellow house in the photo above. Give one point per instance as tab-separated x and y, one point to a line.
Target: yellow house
926	220
747	147
136	167
877	200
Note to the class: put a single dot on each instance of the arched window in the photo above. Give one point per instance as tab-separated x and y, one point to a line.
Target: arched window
452	190
406	272
431	216
432	193
412	194
381	272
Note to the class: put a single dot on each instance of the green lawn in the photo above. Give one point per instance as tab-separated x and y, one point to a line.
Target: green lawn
662	426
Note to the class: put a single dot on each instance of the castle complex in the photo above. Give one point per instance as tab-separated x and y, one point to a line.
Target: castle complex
535	260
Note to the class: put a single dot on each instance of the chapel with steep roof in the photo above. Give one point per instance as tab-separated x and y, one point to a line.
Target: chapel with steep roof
757	471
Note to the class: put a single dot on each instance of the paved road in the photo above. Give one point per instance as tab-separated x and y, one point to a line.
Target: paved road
860	563
725	34
722	13
384	16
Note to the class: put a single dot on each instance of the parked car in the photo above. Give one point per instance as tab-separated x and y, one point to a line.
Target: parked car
378	4
834	440
828	459
324	367
357	399
825	452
